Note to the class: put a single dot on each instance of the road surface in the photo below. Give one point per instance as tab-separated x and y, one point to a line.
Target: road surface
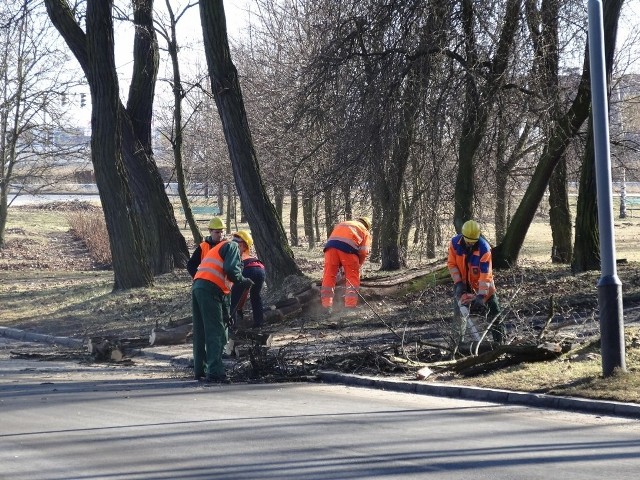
60	420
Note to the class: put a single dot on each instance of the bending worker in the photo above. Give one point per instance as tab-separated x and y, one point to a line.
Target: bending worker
347	247
216	228
210	307
251	268
471	269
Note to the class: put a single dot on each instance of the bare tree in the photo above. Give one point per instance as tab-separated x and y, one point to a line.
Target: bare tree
265	225
126	174
35	132
506	253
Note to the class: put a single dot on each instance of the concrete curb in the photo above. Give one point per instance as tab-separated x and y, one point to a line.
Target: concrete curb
539	400
16	334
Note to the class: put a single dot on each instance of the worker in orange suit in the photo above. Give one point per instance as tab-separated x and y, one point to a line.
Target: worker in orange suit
348	247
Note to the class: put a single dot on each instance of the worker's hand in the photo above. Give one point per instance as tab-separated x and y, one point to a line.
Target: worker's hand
246	283
459	290
229	321
478	301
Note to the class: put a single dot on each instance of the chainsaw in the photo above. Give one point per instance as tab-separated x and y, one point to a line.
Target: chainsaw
463	305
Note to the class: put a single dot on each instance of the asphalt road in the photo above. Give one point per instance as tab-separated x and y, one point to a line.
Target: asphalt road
60	420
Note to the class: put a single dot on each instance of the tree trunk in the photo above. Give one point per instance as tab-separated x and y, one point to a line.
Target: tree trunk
559	215
586	255
307	216
270	239
177	137
293	217
123	224
278	194
505	255
329	214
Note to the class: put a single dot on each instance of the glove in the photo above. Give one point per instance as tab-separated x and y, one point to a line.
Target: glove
478	301
459	289
246	283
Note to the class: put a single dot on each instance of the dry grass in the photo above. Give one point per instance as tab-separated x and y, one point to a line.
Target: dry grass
90	227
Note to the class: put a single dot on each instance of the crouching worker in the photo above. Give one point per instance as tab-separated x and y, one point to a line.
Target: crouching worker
220	267
347	247
251	268
471	269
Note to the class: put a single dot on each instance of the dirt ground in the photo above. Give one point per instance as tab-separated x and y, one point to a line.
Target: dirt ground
48	284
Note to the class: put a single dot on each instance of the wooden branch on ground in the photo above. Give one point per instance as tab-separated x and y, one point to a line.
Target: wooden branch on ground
505	355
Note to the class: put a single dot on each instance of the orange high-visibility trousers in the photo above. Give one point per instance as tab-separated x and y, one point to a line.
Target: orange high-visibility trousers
333	260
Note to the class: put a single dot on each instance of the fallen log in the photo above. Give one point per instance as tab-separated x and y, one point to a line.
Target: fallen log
174	336
506	355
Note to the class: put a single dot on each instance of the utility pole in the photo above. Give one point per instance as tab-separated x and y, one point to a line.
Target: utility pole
609	286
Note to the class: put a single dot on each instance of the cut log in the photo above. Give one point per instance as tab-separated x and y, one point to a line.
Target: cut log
174	336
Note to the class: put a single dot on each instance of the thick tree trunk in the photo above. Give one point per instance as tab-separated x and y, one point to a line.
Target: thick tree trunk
130	267
559	215
270	239
586	255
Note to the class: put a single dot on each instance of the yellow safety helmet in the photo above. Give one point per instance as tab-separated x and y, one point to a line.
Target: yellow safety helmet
366	221
216	224
471	231
245	236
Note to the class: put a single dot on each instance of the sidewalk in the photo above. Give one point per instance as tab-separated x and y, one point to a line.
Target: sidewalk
181	355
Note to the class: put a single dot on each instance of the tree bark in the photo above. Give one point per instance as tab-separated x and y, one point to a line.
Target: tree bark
293	216
270	239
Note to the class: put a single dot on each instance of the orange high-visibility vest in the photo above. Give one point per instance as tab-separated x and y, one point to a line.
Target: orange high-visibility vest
210	269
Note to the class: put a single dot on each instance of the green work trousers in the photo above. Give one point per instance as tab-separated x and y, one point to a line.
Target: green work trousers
210	333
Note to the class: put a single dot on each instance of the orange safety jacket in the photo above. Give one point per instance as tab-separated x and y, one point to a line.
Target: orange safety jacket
211	269
350	237
472	265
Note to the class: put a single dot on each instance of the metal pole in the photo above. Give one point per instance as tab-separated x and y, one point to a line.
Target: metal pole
609	286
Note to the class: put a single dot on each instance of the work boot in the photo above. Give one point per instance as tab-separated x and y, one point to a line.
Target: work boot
327	313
